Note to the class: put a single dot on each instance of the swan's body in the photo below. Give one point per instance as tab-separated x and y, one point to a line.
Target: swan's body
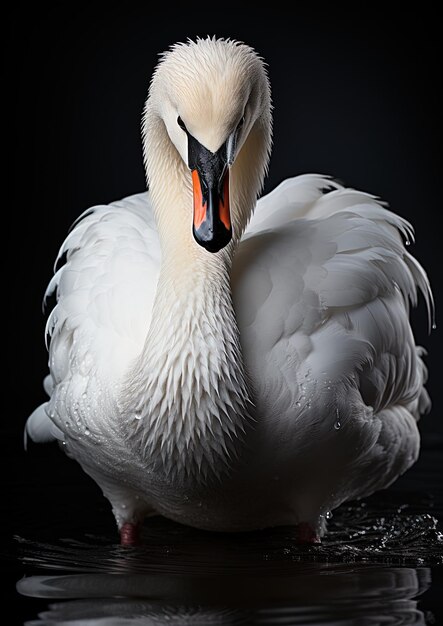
258	384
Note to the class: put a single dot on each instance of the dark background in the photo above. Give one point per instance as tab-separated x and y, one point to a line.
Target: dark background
356	95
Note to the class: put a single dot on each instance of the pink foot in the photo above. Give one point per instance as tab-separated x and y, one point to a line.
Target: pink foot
130	534
306	534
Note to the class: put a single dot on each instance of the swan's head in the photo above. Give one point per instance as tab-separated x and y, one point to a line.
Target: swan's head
211	95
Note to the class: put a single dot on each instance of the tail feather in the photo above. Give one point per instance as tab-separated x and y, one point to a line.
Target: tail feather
40	428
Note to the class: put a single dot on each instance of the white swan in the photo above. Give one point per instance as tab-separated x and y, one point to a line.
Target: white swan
227	376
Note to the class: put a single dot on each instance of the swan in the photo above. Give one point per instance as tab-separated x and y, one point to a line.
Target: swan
232	364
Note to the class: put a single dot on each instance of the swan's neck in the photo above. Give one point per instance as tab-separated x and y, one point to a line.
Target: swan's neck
192	396
188	395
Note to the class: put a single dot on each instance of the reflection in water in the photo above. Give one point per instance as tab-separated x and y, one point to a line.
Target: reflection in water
369	570
316	593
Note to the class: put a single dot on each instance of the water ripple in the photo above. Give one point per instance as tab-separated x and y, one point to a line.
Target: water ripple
371	532
371	568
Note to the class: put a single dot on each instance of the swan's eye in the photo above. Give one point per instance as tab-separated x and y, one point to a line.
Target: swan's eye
241	122
181	123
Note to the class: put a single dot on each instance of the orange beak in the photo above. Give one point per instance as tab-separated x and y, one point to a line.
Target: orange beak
212	227
212	220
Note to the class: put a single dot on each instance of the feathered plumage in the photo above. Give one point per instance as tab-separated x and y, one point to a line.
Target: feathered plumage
258	386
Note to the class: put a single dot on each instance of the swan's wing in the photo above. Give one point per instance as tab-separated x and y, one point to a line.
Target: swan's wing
293	199
322	284
104	292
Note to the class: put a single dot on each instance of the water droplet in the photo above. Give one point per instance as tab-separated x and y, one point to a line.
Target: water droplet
328	515
434	325
87	431
407	242
123	506
337	424
138	415
297	403
63	443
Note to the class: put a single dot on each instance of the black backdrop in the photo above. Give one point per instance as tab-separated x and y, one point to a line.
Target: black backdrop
355	96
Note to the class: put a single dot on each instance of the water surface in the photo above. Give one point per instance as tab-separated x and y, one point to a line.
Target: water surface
380	563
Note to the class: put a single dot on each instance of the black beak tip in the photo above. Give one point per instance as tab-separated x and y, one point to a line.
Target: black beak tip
210	241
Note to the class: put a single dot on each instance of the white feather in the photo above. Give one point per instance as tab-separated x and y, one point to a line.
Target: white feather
40	428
